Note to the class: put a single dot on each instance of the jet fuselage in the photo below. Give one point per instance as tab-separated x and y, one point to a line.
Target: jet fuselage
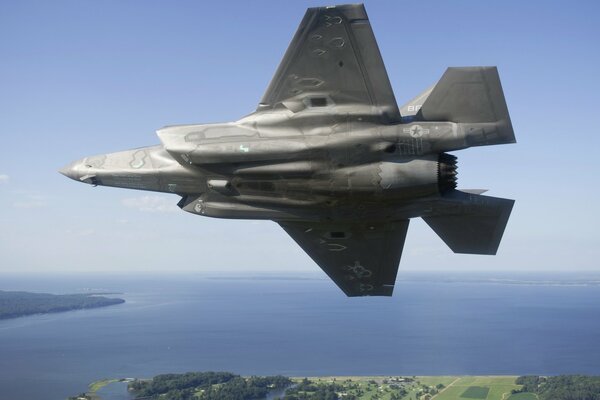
279	170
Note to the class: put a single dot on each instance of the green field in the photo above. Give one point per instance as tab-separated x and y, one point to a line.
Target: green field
464	388
439	387
476	392
434	380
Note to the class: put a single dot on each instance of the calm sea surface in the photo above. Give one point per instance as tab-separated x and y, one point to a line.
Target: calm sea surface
296	327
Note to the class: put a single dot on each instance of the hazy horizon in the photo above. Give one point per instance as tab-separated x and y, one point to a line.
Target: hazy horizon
316	274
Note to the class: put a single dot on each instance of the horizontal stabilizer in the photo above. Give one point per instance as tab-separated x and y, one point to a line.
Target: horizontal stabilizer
474	191
472	224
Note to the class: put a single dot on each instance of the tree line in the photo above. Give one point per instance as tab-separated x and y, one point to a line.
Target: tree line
562	387
207	386
17	304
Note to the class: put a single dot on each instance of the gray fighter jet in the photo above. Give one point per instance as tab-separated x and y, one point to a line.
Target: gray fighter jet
330	157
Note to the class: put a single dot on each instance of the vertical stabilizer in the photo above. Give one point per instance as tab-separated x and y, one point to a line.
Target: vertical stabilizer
473	98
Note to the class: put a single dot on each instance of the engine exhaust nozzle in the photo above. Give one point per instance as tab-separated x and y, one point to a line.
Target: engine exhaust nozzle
446	172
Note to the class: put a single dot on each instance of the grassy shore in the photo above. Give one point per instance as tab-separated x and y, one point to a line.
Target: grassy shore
95	386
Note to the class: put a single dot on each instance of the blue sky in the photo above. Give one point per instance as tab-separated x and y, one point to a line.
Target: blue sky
79	78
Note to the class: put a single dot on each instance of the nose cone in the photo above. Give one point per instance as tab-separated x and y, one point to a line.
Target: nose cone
71	170
81	171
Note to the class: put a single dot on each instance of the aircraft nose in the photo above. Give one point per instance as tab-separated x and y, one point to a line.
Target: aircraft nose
71	170
81	171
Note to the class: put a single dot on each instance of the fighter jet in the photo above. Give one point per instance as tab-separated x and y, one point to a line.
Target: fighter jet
331	158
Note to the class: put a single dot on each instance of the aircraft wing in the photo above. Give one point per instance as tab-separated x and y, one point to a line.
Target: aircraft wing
333	60
361	258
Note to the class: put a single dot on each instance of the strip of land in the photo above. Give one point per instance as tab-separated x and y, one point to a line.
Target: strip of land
228	386
19	304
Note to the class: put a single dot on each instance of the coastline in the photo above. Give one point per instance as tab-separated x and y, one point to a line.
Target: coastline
17	304
385	387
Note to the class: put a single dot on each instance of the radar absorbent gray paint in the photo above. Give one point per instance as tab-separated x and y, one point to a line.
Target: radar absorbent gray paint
330	157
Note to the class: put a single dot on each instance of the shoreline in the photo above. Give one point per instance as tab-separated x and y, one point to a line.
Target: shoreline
415	387
17	304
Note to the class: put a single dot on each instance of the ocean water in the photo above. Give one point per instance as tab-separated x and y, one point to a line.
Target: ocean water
298	327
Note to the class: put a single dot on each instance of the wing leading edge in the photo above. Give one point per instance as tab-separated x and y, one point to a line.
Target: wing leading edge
334	55
361	258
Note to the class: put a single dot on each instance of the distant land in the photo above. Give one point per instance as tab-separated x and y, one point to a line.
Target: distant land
511	278
19	304
228	386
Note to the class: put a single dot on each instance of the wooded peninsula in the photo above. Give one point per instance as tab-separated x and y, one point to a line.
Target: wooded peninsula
19	304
